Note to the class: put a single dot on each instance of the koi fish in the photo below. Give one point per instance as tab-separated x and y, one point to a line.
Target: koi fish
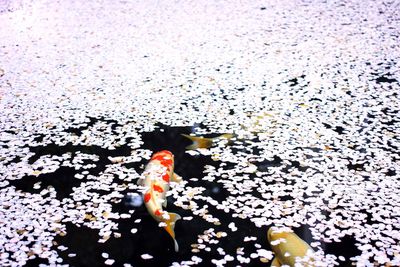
157	175
203	142
287	246
255	124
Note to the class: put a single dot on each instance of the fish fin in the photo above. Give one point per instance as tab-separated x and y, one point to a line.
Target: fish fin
198	142
164	204
275	262
173	217
176	246
176	178
140	181
227	136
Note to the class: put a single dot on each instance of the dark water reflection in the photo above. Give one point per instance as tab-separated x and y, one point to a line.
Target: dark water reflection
151	239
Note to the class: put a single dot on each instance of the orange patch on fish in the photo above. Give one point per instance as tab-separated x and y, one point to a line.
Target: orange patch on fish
147	197
165	177
166	162
158	157
157	213
157	188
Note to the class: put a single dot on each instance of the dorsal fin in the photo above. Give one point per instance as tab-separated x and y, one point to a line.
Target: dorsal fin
176	178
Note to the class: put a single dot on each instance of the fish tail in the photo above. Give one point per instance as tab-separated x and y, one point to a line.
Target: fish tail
173	217
275	262
227	136
203	142
198	142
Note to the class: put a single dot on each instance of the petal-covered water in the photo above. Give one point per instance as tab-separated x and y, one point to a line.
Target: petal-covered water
282	118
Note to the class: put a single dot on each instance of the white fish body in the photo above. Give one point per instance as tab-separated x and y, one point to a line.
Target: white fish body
156	178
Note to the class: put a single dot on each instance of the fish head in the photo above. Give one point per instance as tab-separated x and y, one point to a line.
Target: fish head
165	158
163	154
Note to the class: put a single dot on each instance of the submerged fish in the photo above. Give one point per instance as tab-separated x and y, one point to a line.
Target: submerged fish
287	246
254	125
156	178
204	142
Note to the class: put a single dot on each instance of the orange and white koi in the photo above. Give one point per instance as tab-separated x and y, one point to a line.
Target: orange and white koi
157	175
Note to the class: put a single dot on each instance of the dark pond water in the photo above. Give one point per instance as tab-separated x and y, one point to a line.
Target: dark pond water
151	239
